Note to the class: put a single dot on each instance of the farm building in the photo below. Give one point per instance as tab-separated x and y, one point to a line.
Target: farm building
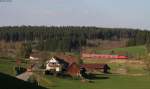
70	67
35	56
32	57
56	64
60	63
68	58
65	64
53	64
105	56
38	56
73	70
96	67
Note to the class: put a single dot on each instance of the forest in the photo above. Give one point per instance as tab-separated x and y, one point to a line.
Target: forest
70	38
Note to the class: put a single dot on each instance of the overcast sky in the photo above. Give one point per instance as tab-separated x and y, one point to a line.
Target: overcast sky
100	13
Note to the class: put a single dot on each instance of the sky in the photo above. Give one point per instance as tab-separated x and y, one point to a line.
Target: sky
100	13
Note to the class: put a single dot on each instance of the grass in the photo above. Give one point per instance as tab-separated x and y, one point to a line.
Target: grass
112	82
135	50
7	79
131	68
7	66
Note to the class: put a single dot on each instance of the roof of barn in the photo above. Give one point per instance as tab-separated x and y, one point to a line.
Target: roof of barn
93	66
68	58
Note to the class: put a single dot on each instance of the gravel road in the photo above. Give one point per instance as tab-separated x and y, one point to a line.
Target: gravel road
24	76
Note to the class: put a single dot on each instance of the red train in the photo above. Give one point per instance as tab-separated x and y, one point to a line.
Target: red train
105	56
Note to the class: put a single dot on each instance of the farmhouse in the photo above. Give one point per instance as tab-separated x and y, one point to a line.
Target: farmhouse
56	64
63	64
68	58
69	66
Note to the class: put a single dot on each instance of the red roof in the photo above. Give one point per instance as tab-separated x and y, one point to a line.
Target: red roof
73	70
68	58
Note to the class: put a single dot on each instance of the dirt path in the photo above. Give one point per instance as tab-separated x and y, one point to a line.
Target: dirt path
24	76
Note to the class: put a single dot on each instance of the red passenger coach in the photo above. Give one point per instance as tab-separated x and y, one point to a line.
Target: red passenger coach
122	57
105	56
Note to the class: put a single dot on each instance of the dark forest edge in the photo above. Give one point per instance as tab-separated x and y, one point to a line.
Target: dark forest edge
70	38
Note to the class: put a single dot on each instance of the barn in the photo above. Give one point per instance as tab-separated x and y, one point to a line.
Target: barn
73	70
96	67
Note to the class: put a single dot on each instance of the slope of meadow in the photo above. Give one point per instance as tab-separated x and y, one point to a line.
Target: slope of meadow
134	50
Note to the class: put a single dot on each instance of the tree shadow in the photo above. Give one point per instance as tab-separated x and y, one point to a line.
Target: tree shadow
97	76
9	82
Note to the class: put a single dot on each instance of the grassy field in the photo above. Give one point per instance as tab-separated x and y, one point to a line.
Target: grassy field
7	66
135	50
111	81
103	82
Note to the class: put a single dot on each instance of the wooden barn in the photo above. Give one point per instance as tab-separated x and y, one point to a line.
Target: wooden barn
73	70
96	67
80	71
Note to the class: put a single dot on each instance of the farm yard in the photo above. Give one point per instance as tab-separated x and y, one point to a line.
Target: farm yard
128	73
100	81
135	51
124	74
104	82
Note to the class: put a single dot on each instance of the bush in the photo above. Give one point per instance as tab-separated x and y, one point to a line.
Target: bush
33	80
20	70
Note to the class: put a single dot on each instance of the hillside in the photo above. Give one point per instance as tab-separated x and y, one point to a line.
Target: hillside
99	81
70	38
131	51
9	82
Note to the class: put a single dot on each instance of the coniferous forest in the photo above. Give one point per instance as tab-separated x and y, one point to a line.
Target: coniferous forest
68	38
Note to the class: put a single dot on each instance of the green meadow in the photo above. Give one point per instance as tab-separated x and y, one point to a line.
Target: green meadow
134	50
100	81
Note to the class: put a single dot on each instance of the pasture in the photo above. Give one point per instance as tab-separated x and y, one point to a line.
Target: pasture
99	81
134	50
102	82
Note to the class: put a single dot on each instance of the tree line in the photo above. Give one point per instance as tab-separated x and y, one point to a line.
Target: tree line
69	38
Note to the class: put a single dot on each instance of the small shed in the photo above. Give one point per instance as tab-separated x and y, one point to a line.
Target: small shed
34	56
